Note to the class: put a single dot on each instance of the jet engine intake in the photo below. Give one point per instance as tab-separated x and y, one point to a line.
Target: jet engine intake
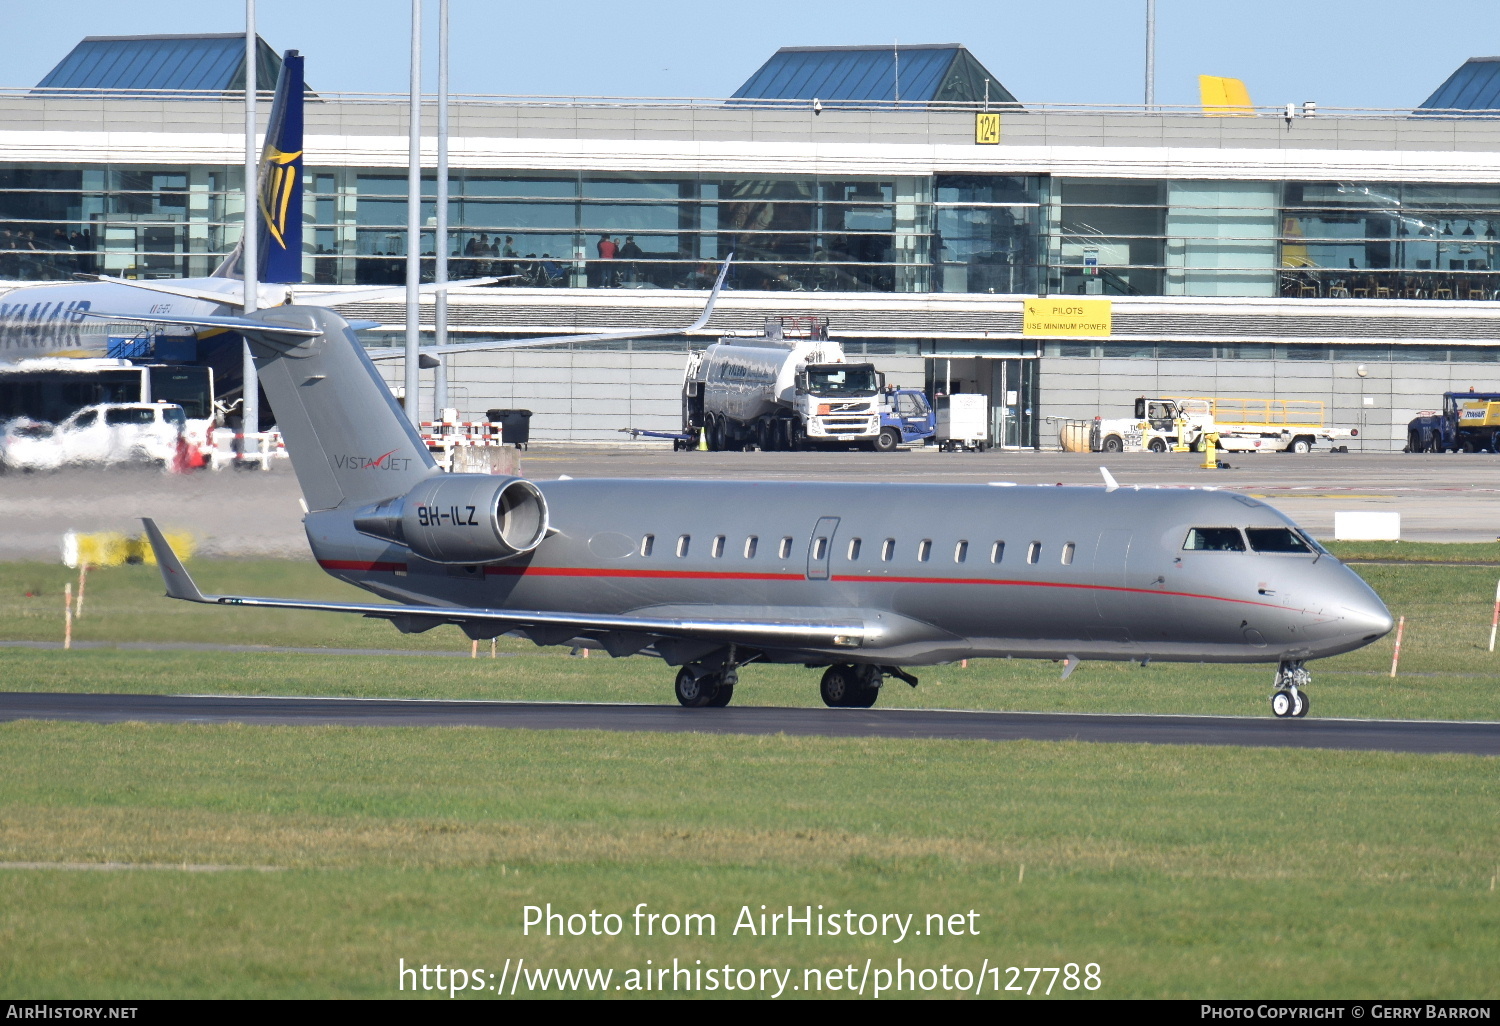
463	518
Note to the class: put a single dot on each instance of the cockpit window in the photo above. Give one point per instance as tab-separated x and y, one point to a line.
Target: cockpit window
1214	539
1277	539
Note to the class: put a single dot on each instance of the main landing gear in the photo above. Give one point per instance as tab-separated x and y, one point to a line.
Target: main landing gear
1290	700
857	687
696	689
710	684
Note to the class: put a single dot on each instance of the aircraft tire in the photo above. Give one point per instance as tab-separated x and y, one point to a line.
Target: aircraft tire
1282	705
863	698
694	692
722	696
1304	703
839	686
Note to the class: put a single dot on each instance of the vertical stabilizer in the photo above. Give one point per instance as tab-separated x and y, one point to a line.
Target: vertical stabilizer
279	200
349	442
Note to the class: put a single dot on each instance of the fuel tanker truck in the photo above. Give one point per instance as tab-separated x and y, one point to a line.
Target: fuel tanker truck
785	389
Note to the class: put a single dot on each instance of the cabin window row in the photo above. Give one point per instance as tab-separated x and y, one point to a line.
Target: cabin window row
718	546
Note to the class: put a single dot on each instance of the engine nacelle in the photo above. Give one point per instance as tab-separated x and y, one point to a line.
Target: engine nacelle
462	518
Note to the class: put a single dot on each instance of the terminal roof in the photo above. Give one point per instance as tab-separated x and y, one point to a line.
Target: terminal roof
919	74
1474	86
191	63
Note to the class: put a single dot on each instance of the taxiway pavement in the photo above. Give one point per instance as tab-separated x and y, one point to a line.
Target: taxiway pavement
1423	736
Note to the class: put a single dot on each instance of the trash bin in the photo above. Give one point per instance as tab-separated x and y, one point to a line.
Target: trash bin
515	426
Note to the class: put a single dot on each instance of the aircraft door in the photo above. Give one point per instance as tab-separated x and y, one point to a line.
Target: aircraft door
820	548
1111	562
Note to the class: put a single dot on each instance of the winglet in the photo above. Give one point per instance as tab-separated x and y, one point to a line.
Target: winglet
173	574
1069	665
713	297
1110	484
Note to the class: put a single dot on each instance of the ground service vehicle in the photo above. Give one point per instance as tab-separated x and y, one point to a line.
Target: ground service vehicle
788	388
107	434
1469	422
906	417
1241	425
963	422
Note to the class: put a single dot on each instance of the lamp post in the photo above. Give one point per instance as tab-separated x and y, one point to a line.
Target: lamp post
414	222
250	238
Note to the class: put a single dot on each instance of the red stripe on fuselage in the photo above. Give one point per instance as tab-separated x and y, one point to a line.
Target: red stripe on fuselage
703	575
359	564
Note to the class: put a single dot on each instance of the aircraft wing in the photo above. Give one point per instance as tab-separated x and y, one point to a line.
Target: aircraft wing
557	340
788	633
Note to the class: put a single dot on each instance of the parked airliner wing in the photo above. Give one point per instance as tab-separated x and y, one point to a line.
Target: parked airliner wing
557	340
780	633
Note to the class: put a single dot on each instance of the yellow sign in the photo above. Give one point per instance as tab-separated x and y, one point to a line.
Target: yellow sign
986	129
1092	317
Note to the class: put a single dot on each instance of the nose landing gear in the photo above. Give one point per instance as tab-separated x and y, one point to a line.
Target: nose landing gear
1290	700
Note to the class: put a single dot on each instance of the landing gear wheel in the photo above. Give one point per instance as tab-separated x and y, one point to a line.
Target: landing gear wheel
839	687
864	697
693	691
1282	705
888	441
722	695
1304	703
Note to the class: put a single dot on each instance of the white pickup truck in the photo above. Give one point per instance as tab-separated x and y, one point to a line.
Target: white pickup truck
107	434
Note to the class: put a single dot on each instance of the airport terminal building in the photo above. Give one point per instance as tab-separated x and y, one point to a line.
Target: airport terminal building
1346	257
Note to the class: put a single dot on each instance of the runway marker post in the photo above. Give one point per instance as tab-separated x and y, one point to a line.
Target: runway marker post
68	616
83	579
1495	620
1396	655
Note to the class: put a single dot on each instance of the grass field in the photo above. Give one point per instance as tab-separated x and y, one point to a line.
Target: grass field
1180	871
298	862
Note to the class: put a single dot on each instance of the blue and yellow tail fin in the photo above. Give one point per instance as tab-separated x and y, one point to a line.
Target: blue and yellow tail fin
279	203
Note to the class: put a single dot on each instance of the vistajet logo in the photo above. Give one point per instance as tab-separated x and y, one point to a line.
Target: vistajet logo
387	461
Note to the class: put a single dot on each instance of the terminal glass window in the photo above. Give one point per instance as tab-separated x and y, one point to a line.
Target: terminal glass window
1384	240
985	234
1109	237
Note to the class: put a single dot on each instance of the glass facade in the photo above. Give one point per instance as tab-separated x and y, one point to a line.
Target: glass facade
991	234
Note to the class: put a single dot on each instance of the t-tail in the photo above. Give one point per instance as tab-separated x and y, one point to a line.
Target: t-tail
280	194
349	442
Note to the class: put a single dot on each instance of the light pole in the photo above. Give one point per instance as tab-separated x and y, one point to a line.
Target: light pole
414	222
250	238
1150	54
440	248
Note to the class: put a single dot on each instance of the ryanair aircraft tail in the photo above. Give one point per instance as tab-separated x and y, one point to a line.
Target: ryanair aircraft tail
280	194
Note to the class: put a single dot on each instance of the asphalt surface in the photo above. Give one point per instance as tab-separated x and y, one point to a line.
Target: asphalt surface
1259	732
1440	498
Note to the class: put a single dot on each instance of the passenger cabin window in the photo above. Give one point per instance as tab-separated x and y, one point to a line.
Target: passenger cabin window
820	548
750	544
997	552
960	552
682	544
888	549
924	549
1033	552
717	549
853	549
1067	556
1214	539
786	548
647	543
1277	539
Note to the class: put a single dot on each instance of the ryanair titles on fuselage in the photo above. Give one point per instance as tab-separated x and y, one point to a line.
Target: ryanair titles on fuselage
34	326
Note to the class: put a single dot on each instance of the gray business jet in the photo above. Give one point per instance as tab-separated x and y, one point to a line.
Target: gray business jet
711	575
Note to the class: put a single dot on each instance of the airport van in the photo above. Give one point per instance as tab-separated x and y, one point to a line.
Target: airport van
105	434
